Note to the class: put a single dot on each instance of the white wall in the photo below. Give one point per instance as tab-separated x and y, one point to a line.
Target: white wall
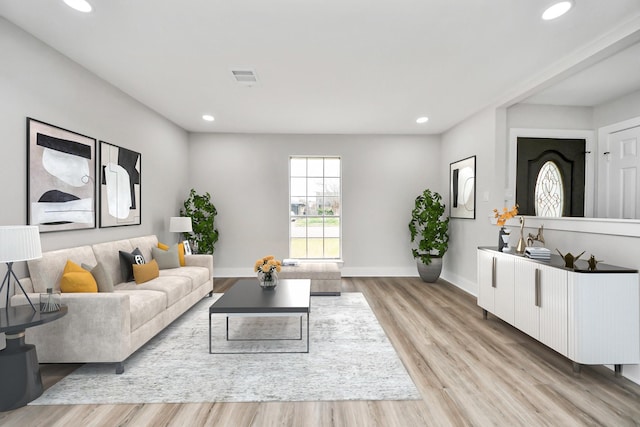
475	136
620	109
247	176
38	82
537	116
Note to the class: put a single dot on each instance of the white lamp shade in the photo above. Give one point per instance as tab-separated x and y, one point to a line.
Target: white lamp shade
19	243
180	224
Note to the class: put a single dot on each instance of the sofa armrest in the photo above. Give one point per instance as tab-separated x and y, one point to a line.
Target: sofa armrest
96	328
200	260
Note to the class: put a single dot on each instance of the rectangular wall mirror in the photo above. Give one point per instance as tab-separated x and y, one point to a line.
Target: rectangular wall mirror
600	105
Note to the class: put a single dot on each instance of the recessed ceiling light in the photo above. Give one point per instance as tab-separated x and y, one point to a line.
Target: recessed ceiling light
421	120
208	117
557	10
79	5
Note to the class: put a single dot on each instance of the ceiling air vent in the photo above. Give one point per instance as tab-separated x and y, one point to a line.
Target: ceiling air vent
245	77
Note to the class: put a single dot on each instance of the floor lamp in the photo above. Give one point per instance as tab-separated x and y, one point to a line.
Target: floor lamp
18	243
180	224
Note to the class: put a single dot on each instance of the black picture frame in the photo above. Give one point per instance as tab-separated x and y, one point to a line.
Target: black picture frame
120	186
61	178
462	188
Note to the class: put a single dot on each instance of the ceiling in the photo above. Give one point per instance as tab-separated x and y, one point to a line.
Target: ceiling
323	66
606	80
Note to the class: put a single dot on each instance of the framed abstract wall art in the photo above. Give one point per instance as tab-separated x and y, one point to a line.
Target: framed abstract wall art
120	186
61	178
462	188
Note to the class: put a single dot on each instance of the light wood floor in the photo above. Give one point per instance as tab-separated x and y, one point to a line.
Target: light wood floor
469	372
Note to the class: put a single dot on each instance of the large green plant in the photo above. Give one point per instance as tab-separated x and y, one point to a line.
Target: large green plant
202	212
429	227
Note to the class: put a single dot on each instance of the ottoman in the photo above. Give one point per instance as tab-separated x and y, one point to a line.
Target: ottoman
325	277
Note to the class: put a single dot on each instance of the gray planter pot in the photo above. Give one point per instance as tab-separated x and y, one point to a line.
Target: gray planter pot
430	273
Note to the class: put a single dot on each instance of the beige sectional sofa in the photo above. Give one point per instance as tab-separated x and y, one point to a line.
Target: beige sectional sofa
109	326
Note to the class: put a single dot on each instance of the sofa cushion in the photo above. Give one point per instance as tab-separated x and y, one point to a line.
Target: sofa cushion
144	304
144	243
174	288
77	279
126	263
166	258
46	272
108	254
102	276
144	272
196	275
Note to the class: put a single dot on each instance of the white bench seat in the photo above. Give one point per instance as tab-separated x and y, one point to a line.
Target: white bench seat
326	278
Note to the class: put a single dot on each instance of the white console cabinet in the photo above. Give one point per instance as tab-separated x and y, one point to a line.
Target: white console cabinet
591	317
541	303
496	290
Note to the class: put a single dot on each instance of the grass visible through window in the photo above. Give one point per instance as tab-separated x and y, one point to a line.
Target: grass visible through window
299	248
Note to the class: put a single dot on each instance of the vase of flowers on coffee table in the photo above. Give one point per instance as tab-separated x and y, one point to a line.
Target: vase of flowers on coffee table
267	269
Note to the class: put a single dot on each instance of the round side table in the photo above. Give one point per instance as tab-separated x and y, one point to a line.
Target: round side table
20	380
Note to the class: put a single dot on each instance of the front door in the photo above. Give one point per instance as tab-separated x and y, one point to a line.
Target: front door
567	157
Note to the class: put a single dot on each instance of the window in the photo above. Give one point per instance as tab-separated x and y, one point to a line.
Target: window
315	207
549	197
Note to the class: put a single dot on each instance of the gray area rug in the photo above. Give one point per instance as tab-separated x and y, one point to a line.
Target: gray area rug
350	358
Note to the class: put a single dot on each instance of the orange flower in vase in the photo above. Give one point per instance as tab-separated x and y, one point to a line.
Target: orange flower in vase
503	235
505	215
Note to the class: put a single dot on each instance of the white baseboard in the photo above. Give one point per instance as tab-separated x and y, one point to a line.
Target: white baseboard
379	272
460	282
233	272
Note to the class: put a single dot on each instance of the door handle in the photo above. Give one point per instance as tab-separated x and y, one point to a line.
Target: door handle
494	268
537	290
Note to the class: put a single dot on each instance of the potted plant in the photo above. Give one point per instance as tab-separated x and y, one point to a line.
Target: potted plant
429	228
202	212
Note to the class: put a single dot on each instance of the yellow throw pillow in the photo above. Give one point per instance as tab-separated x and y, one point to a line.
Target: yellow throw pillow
180	251
77	279
145	272
181	254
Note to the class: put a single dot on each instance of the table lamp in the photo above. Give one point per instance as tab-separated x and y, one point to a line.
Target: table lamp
180	224
18	243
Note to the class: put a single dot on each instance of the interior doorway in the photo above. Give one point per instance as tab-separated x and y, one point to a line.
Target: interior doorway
620	197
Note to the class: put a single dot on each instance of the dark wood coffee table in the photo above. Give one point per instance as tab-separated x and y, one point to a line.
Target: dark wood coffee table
20	380
246	298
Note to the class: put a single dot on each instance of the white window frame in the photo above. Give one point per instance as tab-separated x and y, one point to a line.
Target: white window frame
293	216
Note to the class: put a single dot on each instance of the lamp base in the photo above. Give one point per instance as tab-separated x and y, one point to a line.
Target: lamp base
20	374
7	280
